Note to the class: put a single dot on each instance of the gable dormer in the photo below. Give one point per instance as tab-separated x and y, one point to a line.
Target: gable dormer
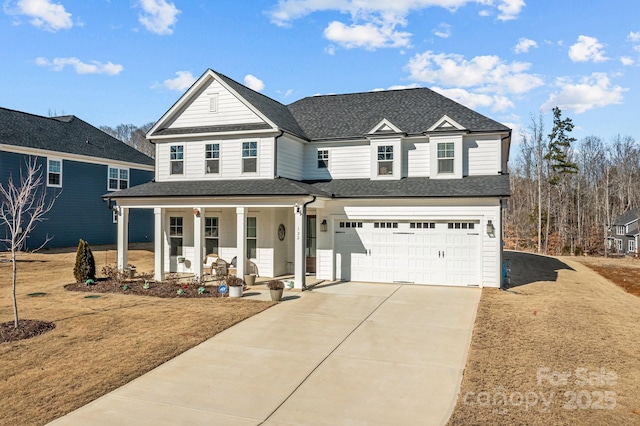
384	127
446	124
385	140
445	146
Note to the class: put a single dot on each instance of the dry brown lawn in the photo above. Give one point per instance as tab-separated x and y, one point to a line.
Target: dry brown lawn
561	347
98	344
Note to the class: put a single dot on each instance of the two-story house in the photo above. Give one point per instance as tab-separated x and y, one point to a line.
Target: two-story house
390	186
81	163
623	233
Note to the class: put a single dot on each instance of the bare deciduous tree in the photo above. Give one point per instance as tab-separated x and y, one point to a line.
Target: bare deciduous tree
22	207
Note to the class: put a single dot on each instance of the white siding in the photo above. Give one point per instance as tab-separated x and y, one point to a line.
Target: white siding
416	156
324	264
230	110
346	161
481	156
290	158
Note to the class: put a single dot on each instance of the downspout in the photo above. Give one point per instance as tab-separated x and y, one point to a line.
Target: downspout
275	153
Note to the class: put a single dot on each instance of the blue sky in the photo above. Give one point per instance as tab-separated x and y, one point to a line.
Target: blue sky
128	61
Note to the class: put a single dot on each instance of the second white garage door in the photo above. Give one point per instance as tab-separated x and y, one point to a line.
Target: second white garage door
442	253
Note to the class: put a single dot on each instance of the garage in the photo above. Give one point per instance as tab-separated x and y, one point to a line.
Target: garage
420	252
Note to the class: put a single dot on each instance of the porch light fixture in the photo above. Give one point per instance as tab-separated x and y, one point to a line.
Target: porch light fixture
196	212
491	230
323	225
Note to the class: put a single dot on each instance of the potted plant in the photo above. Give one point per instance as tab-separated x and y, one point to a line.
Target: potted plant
275	288
235	285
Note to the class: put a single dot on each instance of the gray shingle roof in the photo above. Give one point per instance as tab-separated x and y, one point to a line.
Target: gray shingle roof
627	217
471	186
213	129
66	134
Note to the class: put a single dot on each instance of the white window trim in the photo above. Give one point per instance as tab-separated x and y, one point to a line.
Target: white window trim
242	157
630	249
61	170
318	159
620	229
396	144
385	160
118	169
213	103
171	161
446	158
458	161
207	159
255	218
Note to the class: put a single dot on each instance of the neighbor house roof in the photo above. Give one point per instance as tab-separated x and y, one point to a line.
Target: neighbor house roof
627	217
471	186
65	134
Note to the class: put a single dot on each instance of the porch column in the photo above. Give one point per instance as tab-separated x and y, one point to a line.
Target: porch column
241	240
123	237
300	261
198	235
158	243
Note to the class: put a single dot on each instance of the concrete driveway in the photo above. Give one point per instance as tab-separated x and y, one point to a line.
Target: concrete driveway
341	354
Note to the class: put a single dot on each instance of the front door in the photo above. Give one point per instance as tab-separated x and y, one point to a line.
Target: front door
311	244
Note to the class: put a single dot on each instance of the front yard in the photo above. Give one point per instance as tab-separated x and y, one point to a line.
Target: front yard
559	347
98	344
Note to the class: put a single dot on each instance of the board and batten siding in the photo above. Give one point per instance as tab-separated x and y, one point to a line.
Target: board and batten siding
290	158
481	156
230	160
230	110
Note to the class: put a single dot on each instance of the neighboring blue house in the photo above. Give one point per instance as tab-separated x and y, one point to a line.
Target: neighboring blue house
83	162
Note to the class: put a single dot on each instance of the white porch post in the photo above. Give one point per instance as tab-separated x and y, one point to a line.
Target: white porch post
198	235
241	241
123	237
158	242
300	261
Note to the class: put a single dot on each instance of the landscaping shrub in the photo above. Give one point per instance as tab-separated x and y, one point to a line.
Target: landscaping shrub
85	268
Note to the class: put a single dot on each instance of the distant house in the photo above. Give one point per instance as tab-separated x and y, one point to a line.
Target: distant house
390	186
81	161
623	234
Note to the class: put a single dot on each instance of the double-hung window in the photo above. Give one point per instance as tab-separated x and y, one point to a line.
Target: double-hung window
445	157
211	234
54	173
385	160
118	178
175	236
176	157
632	246
252	236
249	157
620	229
212	158
323	158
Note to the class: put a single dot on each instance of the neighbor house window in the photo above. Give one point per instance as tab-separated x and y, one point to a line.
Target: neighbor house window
212	158
177	159
211	234
445	157
385	160
54	173
249	157
175	236
323	158
620	230
632	246
619	245
252	235
118	178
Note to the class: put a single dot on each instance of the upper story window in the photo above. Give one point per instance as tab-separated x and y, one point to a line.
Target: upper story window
118	179
177	159
249	157
620	230
54	173
212	158
323	158
445	157
385	160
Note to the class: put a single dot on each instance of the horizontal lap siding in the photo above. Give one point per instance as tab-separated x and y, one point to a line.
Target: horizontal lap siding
290	158
345	162
230	110
417	158
482	156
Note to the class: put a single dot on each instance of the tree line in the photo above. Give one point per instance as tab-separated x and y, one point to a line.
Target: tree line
565	193
133	136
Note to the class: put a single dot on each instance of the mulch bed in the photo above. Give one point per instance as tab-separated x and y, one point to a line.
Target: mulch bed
164	289
26	330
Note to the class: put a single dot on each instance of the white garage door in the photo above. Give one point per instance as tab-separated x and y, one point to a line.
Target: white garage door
443	253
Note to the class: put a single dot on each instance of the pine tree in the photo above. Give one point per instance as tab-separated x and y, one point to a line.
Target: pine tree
559	145
85	267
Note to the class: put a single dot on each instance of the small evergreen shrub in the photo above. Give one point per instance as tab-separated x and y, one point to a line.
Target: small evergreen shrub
85	268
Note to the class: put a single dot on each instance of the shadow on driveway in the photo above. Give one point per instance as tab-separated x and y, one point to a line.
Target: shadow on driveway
527	268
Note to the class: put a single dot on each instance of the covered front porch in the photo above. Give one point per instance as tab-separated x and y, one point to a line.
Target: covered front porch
273	238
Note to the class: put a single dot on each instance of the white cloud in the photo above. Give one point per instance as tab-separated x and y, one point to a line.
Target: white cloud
524	44
442	30
626	60
253	82
474	100
634	37
397	87
374	23
43	13
368	36
487	73
159	16
587	49
94	67
590	92
183	80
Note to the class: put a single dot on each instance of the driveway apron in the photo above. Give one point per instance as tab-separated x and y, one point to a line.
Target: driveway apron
346	353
